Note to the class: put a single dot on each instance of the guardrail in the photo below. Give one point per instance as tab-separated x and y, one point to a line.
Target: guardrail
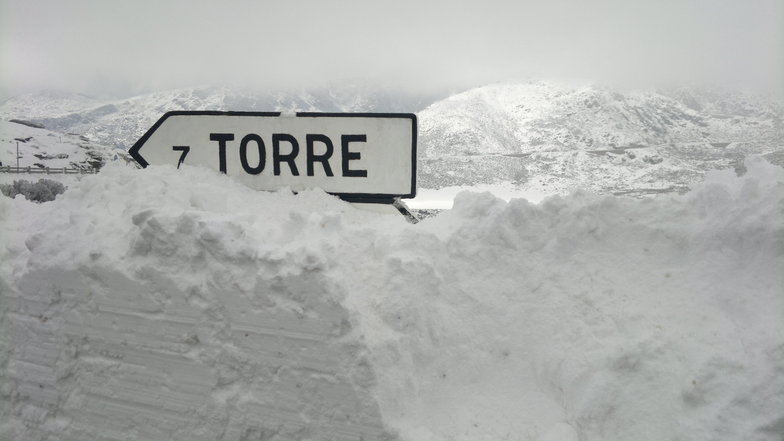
48	170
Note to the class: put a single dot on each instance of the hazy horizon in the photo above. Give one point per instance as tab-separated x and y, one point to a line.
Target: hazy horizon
122	49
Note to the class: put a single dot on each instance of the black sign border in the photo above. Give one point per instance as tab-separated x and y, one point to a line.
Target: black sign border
353	197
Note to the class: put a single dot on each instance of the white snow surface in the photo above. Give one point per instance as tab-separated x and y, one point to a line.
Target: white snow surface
41	148
178	304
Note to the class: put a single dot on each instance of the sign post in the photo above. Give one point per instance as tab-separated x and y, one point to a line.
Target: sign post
358	157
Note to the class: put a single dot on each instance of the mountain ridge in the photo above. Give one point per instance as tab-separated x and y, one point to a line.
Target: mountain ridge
551	137
544	137
40	148
122	122
514	118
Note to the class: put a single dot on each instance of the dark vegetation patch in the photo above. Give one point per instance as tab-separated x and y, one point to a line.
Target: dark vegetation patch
44	190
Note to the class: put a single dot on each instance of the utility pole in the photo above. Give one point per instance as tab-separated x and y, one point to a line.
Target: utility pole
17	156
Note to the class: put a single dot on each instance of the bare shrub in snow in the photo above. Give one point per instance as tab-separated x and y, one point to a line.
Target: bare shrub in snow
44	190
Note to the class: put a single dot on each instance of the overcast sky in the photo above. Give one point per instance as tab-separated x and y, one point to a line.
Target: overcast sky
122	47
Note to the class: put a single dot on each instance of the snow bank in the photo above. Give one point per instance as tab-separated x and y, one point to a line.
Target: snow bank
163	304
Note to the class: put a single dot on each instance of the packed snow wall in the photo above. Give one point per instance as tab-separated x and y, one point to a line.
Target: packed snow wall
177	304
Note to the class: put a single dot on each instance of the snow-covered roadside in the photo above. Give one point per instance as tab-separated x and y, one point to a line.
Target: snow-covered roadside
149	305
587	317
444	198
39	148
164	304
67	180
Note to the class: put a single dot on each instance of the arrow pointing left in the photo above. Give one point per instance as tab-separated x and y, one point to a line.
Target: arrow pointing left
352	155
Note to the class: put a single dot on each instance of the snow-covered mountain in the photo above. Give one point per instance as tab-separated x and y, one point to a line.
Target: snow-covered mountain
120	123
41	148
47	104
547	137
557	137
542	116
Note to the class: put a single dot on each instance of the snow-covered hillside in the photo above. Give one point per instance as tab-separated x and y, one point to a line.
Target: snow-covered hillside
179	304
531	137
41	148
552	138
520	118
47	104
121	122
164	304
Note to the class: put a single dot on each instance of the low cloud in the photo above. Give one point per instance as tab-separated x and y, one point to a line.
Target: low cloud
125	47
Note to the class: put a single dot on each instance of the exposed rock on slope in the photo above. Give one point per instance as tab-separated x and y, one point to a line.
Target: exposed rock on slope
556	138
546	136
41	148
522	118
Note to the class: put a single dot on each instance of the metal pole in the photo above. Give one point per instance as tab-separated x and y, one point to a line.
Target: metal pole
17	156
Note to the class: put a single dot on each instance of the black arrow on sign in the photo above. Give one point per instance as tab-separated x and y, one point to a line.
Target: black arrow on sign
134	151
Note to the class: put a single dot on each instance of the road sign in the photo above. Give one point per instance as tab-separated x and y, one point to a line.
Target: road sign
352	155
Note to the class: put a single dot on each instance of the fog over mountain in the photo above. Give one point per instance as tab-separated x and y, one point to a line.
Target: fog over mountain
124	49
543	136
122	122
556	137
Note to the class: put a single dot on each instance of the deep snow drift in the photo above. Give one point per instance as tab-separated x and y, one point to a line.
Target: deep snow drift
165	304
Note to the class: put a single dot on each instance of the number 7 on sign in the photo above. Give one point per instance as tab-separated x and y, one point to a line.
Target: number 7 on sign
184	149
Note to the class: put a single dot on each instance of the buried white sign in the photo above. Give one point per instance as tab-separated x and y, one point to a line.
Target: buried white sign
352	155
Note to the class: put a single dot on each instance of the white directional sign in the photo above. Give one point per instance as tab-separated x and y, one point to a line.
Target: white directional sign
352	155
